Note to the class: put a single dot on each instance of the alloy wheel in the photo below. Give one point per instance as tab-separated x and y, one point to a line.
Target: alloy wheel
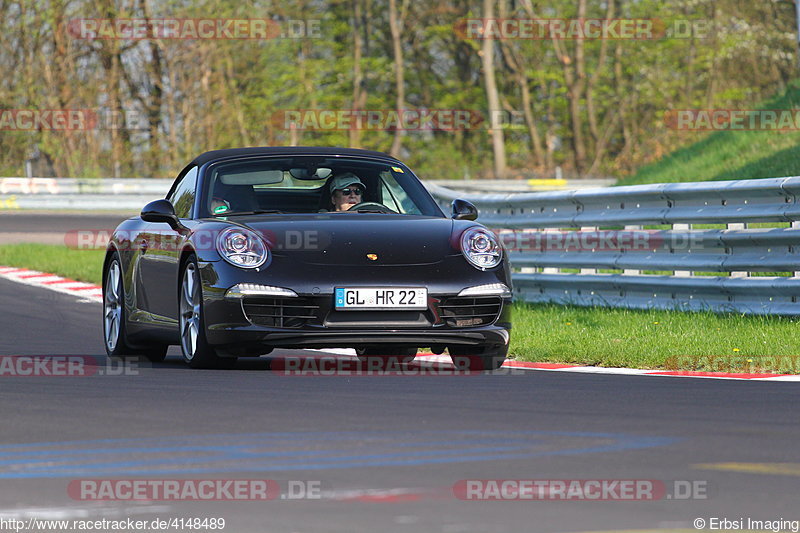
190	311
112	307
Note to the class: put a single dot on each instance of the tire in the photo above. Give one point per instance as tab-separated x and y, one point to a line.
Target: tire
196	350
115	335
114	331
387	356
478	357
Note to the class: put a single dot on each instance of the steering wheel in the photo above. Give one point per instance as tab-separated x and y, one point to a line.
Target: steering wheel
372	206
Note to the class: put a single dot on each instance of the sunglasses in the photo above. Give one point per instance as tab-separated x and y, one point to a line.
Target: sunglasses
355	190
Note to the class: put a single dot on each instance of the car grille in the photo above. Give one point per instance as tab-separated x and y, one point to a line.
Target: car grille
281	312
470	311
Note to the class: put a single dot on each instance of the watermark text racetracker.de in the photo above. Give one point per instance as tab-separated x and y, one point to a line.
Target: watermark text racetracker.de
377	119
528	240
67	120
66	366
410	120
194	489
176	28
169	240
750	364
780	120
582	28
579	489
376	366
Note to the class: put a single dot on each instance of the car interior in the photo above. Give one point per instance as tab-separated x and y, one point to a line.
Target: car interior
280	191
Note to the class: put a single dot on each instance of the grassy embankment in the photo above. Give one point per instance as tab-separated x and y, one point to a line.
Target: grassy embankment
730	155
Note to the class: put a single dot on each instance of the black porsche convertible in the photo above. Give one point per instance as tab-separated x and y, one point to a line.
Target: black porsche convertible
294	247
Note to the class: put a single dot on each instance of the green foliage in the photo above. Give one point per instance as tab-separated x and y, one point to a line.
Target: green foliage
195	95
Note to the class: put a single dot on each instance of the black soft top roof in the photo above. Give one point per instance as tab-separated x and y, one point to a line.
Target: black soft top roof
286	150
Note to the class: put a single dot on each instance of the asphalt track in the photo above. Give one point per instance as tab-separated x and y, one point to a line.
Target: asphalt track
48	227
386	451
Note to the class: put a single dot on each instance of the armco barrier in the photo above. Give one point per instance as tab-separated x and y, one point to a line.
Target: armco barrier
106	186
58	186
753	230
80	193
131	194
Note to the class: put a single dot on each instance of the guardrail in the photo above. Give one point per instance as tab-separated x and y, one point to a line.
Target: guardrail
60	186
132	194
642	247
521	185
80	193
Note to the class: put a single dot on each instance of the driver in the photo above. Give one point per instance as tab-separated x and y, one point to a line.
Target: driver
346	191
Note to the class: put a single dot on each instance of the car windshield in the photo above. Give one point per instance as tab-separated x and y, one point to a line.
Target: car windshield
309	184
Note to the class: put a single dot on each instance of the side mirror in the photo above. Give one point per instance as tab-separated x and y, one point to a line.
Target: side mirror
464	210
160	211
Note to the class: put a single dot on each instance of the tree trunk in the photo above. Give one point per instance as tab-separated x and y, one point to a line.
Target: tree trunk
496	130
395	25
517	65
575	80
359	86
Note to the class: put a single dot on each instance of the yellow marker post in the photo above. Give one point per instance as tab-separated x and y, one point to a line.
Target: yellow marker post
547	182
10	203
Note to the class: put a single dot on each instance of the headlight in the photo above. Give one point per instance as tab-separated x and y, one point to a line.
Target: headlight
481	248
242	248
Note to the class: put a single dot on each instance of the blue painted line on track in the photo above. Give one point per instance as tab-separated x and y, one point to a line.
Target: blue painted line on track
246	452
52	455
327	435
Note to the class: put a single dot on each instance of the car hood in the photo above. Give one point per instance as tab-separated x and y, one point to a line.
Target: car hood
356	239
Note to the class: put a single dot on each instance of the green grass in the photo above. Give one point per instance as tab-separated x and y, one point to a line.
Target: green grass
81	265
648	339
728	155
564	334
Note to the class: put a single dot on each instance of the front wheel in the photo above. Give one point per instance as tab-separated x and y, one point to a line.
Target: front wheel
114	333
114	324
197	352
478	357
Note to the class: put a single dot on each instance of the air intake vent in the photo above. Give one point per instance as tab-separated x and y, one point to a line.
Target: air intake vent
469	311
280	312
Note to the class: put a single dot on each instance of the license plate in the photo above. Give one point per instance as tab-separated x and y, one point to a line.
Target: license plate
376	298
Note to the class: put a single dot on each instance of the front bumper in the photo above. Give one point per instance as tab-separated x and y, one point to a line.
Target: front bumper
228	322
232	321
491	336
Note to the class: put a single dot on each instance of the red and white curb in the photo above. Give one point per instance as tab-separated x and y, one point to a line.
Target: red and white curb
94	293
84	291
560	367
